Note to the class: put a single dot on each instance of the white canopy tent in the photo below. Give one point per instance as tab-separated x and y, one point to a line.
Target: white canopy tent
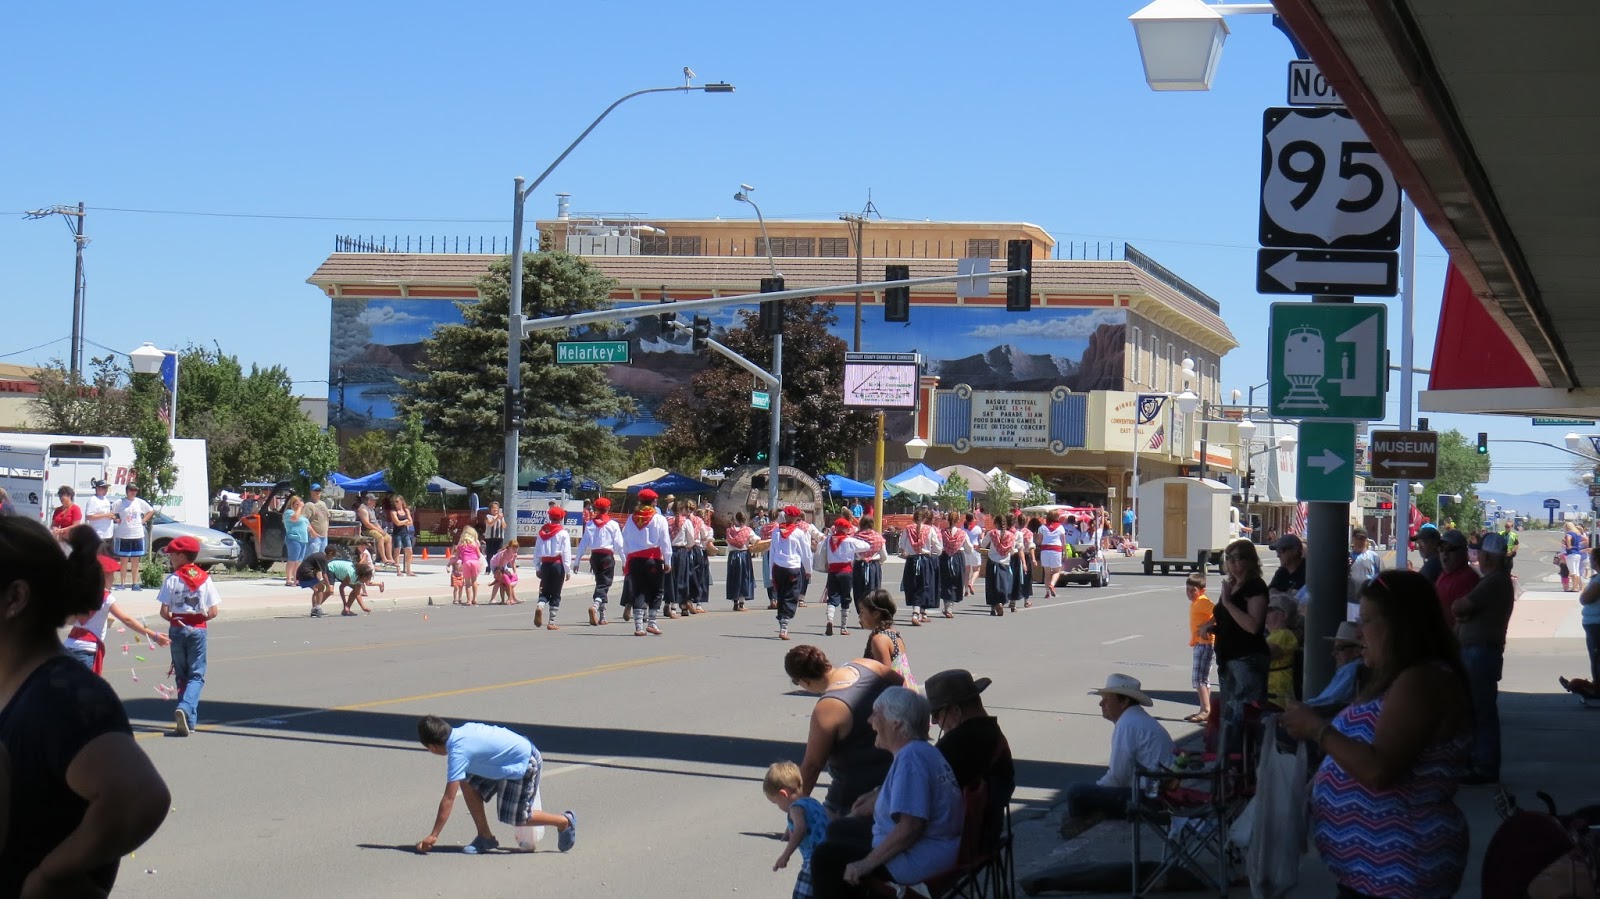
999	481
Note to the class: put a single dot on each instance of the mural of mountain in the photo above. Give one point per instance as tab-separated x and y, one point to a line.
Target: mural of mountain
398	355
1005	367
1101	367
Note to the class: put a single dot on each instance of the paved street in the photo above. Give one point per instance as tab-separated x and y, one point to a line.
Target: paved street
306	777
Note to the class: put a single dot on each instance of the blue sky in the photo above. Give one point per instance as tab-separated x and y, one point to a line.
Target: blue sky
294	122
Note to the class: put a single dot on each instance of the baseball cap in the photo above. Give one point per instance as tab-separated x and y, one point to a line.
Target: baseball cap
1428	530
316	486
1287	541
1454	538
1494	543
1359	532
97	483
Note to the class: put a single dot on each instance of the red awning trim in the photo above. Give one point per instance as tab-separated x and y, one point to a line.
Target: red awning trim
1471	350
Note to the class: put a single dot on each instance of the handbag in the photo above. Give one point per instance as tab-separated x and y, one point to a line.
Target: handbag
1278	828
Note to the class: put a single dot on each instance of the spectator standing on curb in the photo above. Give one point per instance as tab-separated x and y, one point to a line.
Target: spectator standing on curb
132	516
316	512
296	539
494	530
1364	566
404	528
98	512
1428	547
1202	644
1572	546
1456	577
67	516
1482	618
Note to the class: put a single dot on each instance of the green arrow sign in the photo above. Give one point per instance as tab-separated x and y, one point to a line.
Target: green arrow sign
1328	360
591	352
1325	458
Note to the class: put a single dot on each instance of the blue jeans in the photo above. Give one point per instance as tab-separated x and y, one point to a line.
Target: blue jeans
86	656
317	544
1591	634
189	662
1085	799
1483	664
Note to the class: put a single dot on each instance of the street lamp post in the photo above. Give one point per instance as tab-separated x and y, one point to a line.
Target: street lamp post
775	414
147	360
514	316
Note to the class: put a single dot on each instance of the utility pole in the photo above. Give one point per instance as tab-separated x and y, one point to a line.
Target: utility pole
74	219
858	224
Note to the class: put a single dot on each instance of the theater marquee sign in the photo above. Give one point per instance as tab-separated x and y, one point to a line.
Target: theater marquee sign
1010	420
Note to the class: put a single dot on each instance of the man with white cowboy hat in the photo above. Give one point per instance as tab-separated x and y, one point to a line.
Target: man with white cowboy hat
1346	681
1137	741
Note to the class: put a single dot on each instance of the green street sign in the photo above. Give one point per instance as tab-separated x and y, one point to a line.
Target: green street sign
1563	422
760	399
1325	457
1328	361
592	352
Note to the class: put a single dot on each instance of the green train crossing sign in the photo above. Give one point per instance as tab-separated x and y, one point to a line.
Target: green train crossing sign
1328	361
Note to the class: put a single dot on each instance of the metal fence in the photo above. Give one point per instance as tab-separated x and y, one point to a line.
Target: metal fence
428	243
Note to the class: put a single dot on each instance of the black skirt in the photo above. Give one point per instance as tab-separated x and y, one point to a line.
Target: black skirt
741	575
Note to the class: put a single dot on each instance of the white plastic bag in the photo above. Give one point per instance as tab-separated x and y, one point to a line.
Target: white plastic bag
528	837
1278	831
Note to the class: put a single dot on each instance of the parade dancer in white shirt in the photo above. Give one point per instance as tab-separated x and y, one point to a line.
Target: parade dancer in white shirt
553	552
791	559
842	550
1052	543
602	542
647	547
867	573
920	581
682	534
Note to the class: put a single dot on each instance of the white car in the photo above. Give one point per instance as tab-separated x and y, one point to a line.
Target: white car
216	548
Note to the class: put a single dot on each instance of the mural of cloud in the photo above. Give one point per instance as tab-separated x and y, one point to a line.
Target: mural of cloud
376	316
1054	327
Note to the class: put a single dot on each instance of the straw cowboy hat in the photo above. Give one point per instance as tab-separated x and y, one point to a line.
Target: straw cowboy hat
1124	685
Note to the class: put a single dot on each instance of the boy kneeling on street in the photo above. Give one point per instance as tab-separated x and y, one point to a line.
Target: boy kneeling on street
484	761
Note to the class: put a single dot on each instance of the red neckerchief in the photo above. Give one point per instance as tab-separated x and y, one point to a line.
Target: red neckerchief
787	528
838	540
739	538
549	530
677	524
192	575
601	520
917	535
642	516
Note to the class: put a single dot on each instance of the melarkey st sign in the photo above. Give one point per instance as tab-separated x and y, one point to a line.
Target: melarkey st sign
1405	455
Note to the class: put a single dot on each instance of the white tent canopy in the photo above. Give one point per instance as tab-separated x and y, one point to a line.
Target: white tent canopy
999	481
643	477
438	484
975	479
921	485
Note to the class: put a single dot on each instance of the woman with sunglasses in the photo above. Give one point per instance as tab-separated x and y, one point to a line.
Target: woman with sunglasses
1241	637
1383	807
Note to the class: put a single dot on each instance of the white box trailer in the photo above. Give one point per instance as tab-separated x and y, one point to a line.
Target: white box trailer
1183	523
34	466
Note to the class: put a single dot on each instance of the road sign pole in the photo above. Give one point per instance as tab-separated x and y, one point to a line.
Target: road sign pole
1327	577
1408	328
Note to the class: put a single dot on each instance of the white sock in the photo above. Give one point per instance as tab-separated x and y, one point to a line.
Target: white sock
830	614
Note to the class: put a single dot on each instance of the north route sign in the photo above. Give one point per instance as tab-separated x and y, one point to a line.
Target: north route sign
1323	185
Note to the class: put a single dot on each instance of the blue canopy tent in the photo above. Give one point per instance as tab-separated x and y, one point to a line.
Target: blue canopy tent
372	483
674	483
563	479
918	479
850	489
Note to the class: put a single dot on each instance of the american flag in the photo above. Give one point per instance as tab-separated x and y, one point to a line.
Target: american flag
1158	437
1298	528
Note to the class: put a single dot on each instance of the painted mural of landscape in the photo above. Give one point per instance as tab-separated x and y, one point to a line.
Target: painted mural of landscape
378	342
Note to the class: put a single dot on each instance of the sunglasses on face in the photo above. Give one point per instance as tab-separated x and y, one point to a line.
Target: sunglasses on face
1346	647
1452	549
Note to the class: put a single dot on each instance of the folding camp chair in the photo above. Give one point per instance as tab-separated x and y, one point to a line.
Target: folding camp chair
984	867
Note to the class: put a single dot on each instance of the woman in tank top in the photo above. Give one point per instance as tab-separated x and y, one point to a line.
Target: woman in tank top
839	737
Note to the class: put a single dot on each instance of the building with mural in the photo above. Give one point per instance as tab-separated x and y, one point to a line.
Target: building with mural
1047	392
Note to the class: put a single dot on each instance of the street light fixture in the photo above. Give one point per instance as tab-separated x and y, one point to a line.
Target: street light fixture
514	336
147	360
916	448
1180	41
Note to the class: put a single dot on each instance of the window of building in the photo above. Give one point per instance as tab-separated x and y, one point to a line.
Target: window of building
833	246
983	249
1155	361
787	246
1174	371
1138	349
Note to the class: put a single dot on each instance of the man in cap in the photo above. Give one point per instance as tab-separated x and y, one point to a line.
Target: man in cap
1456	577
602	541
97	512
1482	618
1291	574
1349	670
791	559
647	550
1364	566
552	549
1428	546
1137	741
316	512
189	601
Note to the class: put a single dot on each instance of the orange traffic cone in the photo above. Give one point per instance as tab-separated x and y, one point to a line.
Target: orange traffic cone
424	554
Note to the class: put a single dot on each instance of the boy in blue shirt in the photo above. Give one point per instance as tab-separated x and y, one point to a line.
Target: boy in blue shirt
484	761
808	821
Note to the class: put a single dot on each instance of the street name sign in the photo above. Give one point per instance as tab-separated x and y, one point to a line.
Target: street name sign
591	352
1326	456
1563	423
1405	455
760	399
1353	272
1323	186
1328	361
1307	87
882	380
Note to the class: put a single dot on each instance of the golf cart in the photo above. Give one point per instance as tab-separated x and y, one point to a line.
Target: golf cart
1084	566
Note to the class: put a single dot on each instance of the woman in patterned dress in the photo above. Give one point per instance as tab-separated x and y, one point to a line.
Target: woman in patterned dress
1001	543
1383	807
920	581
741	574
952	564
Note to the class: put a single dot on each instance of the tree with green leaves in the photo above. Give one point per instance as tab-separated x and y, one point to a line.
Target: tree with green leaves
713	414
1461	469
365	454
459	395
412	462
1038	494
952	494
67	404
315	449
249	420
153	471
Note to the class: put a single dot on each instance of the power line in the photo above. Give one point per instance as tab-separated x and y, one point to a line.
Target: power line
32	348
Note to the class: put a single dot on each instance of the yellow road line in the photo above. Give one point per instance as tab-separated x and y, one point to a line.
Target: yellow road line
464	691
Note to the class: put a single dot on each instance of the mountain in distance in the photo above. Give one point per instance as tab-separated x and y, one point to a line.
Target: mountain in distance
1533	503
1004	367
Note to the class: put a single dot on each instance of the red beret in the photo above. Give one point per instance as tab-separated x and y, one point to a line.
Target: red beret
557	507
843	524
647	495
110	565
184	544
793	512
602	503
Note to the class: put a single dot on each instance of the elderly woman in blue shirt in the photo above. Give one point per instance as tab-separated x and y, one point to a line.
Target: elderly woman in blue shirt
916	817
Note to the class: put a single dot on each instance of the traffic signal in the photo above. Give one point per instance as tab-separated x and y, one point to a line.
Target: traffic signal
757	436
666	318
1483	443
896	300
511	414
1422	424
702	331
1019	289
772	311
